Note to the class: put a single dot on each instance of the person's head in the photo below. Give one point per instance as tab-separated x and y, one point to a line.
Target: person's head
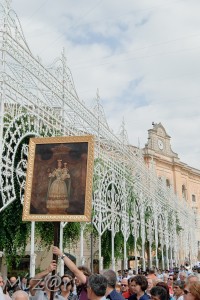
20	295
165	278
138	284
178	288
192	278
130	273
119	272
111	278
124	285
165	286
86	271
130	287
158	293
150	284
24	280
96	287
170	280
182	276
192	291
67	283
125	273
12	285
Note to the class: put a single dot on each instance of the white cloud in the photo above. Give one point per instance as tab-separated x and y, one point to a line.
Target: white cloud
142	55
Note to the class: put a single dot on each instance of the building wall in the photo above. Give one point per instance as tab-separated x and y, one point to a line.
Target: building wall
179	176
184	179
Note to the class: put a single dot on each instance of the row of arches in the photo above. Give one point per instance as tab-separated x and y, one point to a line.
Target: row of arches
150	218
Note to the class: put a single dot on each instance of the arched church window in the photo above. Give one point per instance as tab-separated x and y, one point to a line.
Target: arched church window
167	182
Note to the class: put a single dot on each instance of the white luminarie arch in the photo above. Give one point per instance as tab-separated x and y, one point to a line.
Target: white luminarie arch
42	101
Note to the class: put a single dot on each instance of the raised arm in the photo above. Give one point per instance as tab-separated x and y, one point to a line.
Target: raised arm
69	263
34	282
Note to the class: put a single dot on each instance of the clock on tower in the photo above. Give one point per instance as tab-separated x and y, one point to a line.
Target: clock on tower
160	144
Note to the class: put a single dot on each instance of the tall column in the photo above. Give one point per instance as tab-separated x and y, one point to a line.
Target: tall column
62	226
150	239
113	249
167	256
162	255
156	254
166	236
100	257
156	237
101	264
135	253
61	247
113	216
143	234
113	246
82	260
143	258
33	255
150	255
171	257
125	256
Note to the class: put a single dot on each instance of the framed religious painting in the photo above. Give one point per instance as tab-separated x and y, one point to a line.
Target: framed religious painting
59	179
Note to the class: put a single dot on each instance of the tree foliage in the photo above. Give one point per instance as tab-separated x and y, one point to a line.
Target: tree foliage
14	233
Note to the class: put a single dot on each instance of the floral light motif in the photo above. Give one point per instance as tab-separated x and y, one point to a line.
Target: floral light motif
40	101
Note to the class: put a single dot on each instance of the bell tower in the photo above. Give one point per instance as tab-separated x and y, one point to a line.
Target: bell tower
159	142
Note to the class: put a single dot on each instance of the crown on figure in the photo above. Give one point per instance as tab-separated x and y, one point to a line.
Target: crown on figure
61	149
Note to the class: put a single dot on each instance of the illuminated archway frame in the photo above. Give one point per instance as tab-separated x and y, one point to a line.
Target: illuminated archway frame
47	98
75	154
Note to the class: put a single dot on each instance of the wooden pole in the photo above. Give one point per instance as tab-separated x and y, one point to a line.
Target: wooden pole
55	257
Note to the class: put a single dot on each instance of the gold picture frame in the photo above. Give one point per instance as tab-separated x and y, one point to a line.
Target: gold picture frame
59	179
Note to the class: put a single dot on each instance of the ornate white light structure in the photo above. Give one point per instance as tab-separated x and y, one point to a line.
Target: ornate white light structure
127	197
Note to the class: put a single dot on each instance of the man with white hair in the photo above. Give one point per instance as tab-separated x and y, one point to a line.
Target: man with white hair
182	276
20	295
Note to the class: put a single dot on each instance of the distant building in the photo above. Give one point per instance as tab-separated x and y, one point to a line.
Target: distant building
184	179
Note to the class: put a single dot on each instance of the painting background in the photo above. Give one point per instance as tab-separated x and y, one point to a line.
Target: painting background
46	156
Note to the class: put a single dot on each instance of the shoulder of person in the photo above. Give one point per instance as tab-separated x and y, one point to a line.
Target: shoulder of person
133	297
145	297
114	295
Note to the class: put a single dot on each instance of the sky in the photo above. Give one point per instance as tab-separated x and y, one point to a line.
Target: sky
142	56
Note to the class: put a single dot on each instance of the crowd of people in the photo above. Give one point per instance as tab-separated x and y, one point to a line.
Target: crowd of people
80	284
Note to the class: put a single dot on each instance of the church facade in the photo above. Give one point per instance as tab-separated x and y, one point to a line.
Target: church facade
184	179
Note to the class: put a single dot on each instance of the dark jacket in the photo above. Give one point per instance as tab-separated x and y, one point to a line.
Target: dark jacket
114	295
